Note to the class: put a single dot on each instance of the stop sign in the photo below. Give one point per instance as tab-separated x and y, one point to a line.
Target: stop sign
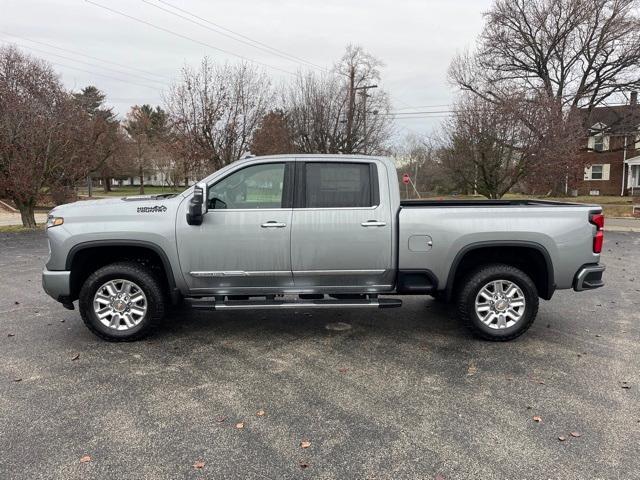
405	179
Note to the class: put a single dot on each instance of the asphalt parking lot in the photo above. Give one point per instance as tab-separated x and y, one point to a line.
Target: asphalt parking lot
403	394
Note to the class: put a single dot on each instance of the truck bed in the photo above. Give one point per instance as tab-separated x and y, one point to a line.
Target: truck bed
484	203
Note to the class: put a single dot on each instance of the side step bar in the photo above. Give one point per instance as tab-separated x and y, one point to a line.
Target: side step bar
283	304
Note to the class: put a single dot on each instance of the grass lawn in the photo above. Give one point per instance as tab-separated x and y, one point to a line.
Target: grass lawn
19	228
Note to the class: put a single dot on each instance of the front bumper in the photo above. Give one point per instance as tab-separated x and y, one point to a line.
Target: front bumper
57	284
588	277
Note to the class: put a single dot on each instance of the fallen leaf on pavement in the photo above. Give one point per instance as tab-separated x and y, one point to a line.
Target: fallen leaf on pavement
472	369
75	357
343	370
198	464
85	459
11	334
260	413
537	418
305	444
438	477
221	419
575	434
303	465
239	425
562	438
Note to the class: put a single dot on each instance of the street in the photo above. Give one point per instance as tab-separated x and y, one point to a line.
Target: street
403	394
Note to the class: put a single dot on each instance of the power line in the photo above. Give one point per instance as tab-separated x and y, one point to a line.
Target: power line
106	76
82	54
185	37
424	106
90	64
232	34
418	113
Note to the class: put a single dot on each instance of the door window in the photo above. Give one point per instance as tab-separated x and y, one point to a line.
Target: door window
258	186
339	185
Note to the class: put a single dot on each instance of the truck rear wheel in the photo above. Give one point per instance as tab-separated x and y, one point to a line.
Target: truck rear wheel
120	302
498	302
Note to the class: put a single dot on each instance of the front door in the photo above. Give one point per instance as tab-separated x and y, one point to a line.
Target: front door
342	234
244	242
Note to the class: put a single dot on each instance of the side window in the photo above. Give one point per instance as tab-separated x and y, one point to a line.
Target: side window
258	186
335	185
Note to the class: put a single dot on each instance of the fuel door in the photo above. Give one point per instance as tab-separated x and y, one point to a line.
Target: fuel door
420	243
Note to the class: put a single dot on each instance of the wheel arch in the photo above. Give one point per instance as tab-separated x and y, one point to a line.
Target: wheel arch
86	257
479	253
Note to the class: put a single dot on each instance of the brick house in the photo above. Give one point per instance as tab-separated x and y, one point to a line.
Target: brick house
612	155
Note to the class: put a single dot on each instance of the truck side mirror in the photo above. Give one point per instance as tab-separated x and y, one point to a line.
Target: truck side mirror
197	204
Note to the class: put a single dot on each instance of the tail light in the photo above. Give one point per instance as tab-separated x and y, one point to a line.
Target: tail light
597	219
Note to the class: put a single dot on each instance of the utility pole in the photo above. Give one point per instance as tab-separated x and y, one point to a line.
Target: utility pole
351	107
362	91
365	95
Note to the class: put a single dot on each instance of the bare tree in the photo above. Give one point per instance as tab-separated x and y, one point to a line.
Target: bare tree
580	52
148	129
215	111
42	133
273	136
340	112
553	57
491	147
419	157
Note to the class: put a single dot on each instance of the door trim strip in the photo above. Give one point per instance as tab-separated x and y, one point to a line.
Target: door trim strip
241	273
339	272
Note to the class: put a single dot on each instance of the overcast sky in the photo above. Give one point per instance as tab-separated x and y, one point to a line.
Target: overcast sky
416	40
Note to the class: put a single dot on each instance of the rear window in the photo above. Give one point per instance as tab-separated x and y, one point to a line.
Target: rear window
335	185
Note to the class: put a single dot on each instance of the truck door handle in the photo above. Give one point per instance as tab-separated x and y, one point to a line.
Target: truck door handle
373	223
273	224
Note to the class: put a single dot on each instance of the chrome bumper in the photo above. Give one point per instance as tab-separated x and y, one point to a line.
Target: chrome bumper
57	284
588	278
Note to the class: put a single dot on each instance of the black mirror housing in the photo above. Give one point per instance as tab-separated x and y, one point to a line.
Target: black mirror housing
197	205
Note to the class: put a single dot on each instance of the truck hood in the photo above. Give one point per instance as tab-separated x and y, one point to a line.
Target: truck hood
113	205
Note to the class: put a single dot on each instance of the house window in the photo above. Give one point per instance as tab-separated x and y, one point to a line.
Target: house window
597	172
598	142
598	139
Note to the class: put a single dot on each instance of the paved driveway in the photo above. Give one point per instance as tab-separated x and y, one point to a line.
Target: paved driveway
403	394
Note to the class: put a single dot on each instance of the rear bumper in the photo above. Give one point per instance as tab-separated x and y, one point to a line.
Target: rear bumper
588	277
57	284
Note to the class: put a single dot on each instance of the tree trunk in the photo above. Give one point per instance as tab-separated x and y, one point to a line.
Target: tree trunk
106	184
141	174
27	213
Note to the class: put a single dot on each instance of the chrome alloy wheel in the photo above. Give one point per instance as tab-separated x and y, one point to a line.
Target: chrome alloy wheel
500	304
120	304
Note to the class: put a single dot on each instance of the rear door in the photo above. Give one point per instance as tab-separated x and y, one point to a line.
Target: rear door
341	236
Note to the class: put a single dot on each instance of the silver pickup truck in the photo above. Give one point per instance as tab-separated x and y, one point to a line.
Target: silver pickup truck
315	231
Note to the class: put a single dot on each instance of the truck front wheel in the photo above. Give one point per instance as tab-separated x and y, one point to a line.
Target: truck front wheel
121	301
498	302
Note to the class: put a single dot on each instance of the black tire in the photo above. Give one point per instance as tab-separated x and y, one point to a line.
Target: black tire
480	277
137	274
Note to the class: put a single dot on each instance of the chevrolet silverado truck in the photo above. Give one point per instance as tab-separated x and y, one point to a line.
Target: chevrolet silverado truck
315	231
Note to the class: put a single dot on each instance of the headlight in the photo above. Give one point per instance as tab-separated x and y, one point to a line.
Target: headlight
54	221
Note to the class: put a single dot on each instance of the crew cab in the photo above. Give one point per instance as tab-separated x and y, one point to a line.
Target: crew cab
315	231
